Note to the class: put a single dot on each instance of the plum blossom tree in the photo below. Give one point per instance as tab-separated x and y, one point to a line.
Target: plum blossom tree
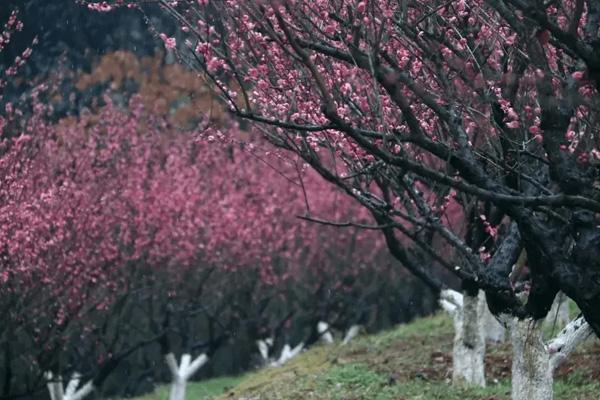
65	239
408	106
78	211
116	212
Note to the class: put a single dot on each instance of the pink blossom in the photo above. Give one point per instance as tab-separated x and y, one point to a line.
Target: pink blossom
361	6
170	42
578	75
534	130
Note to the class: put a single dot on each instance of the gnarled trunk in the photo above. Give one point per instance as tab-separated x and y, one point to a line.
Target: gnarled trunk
468	351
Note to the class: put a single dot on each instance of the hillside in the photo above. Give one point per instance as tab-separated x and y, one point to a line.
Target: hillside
409	362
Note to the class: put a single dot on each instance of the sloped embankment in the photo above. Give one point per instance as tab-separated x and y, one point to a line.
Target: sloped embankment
409	362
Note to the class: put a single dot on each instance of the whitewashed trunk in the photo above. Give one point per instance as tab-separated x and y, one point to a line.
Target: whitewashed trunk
72	392
468	354
352	332
178	388
565	343
531	370
558	317
55	386
264	347
495	332
323	329
181	373
534	361
287	353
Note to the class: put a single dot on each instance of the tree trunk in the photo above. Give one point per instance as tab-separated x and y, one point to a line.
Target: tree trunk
351	334
72	392
565	343
180	374
534	361
469	343
264	348
325	335
287	353
495	332
468	367
55	386
531	371
178	387
558	316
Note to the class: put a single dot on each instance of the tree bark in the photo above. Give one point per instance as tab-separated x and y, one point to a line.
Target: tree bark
495	332
469	343
567	341
531	372
468	353
534	361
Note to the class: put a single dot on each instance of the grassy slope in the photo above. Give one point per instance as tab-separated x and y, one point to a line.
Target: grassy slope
410	362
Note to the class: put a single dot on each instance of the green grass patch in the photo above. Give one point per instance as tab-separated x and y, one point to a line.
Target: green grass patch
410	362
202	390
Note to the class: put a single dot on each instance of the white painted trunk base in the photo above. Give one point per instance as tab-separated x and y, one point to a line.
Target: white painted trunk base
468	353
559	348
323	329
287	353
534	361
531	372
178	389
495	332
58	392
264	348
180	374
352	332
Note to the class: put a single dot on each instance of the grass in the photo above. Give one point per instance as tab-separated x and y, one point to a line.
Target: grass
410	362
208	389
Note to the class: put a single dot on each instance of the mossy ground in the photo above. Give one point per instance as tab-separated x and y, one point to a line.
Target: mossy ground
411	362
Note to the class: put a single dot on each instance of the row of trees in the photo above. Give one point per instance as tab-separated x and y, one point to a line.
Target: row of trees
467	128
122	236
